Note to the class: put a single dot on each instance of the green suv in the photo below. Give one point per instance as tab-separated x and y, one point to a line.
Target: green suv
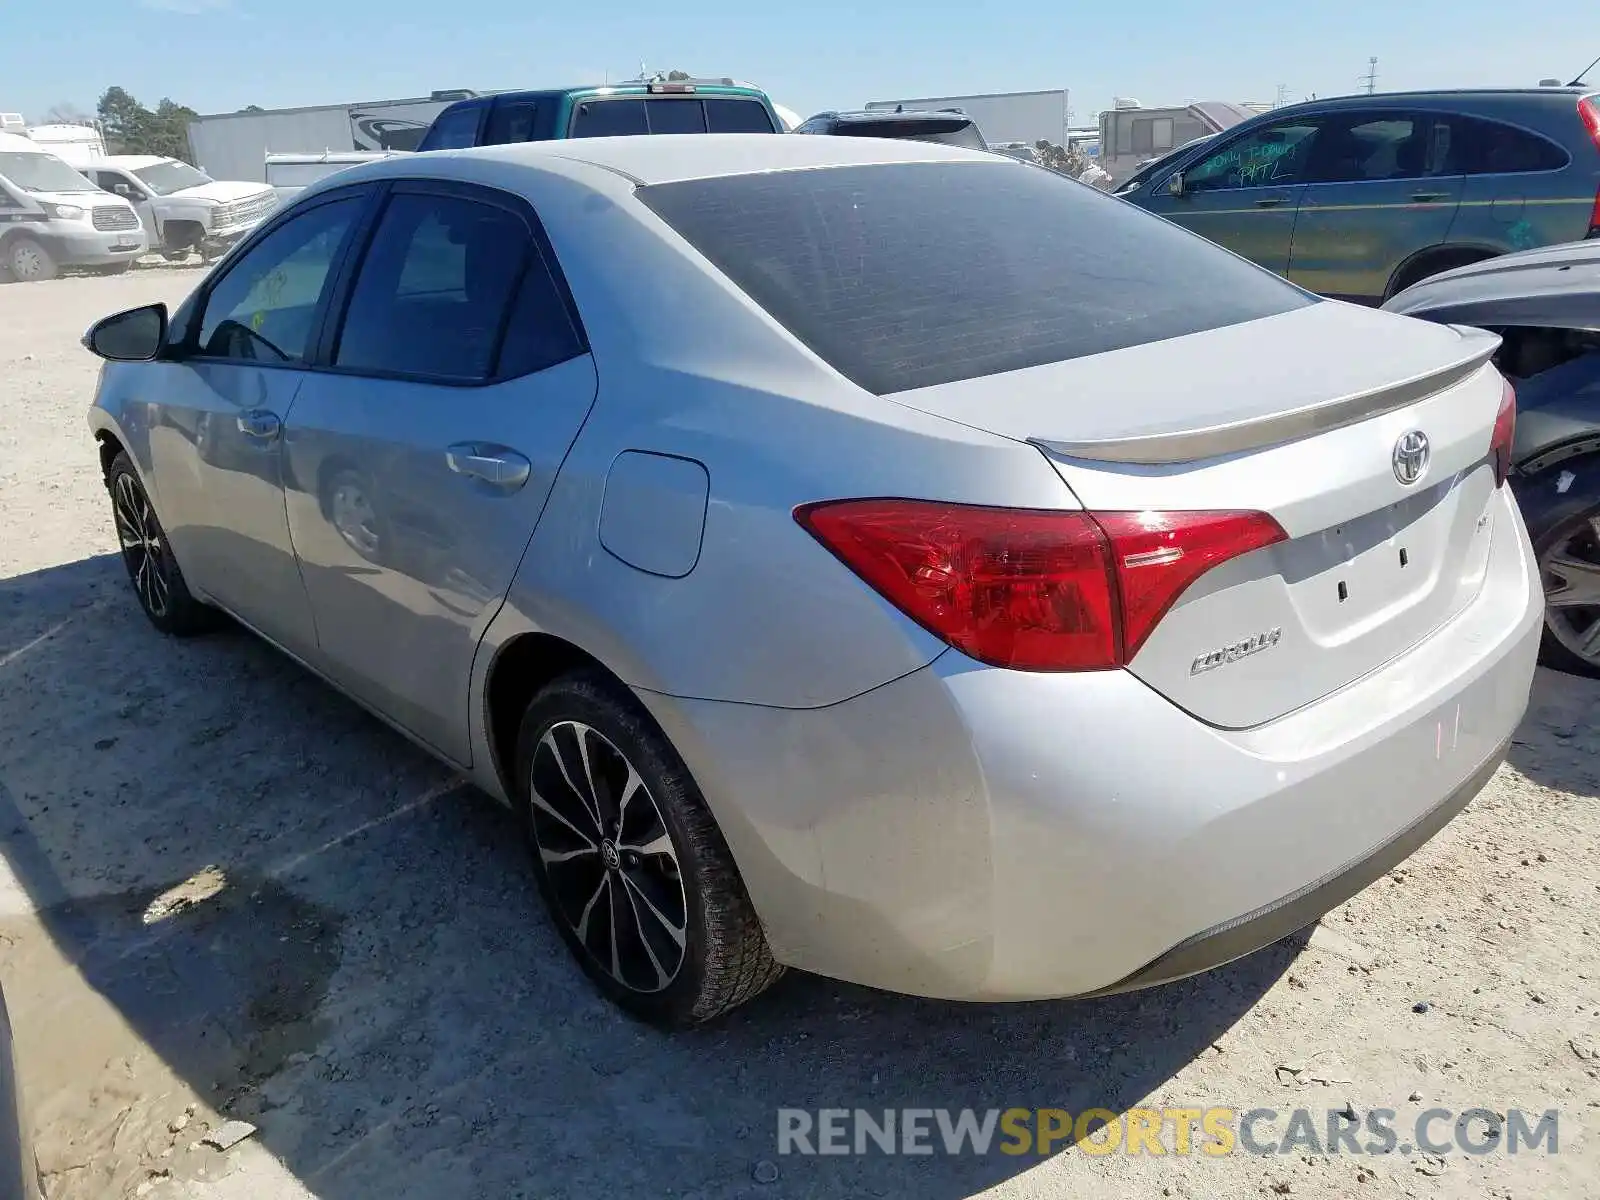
642	106
1361	196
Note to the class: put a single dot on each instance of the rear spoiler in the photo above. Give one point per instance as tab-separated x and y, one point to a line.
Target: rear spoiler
1212	441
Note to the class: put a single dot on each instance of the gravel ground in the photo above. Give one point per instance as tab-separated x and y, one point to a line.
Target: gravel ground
232	895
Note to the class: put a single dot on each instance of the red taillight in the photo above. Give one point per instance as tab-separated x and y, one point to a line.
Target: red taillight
1589	113
1505	432
1031	589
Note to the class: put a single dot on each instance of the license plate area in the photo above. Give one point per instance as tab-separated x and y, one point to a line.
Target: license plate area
126	243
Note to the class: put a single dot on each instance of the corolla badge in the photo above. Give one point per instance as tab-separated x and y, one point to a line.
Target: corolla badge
1410	456
1234	651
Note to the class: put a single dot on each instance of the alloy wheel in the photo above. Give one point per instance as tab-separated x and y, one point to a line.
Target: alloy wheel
608	857
144	547
1571	570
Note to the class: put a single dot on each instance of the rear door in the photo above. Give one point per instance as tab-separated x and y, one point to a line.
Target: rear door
419	459
1521	191
1381	187
1244	195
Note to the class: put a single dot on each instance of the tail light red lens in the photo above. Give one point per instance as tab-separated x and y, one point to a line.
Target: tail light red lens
1505	432
1589	114
1029	589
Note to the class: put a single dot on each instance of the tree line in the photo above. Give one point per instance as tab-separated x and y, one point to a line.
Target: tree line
131	128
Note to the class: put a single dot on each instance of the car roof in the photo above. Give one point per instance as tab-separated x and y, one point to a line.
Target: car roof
1389	99
910	114
633	88
649	159
131	162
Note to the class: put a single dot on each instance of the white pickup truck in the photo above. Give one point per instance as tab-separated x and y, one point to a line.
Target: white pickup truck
183	209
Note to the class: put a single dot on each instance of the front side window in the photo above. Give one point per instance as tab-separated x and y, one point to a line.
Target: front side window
1275	156
264	309
165	178
909	275
444	276
453	129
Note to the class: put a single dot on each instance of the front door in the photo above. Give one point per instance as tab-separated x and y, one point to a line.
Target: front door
1382	187
419	461
1244	195
124	185
218	443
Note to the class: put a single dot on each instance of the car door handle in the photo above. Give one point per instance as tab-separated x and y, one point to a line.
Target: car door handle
1271	201
1429	197
260	424
494	465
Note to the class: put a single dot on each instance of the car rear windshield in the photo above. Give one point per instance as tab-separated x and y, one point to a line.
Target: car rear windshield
946	130
909	275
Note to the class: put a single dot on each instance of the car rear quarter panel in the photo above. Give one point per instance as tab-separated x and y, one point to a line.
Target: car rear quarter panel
688	368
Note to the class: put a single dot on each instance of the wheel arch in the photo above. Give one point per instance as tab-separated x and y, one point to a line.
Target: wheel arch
1537	481
109	446
516	673
1415	267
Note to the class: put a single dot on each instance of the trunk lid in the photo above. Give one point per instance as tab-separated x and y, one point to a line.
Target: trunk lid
1297	416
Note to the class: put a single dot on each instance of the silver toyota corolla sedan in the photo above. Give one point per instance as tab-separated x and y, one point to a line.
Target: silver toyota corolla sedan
872	557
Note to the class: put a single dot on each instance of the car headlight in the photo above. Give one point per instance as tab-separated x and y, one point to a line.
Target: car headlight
65	212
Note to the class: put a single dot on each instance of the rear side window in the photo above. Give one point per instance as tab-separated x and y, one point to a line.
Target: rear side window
453	129
909	275
609	118
737	116
443	278
1492	148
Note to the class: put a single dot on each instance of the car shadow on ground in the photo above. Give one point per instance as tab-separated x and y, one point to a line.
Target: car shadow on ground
1553	749
355	959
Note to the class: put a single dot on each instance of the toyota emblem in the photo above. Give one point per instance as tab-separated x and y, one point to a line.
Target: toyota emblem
1411	456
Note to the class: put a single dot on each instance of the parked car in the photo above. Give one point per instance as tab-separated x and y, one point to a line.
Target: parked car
1545	304
1020	151
1362	196
948	128
51	217
183	209
820	560
656	106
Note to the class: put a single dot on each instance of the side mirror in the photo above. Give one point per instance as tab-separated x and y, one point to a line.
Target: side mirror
1175	184
133	336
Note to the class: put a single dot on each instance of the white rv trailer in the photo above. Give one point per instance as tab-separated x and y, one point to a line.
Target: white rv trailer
1030	117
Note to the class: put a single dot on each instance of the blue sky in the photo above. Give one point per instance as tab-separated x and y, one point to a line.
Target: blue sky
219	55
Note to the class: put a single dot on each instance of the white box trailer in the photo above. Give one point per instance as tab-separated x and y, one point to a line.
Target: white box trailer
1029	117
236	145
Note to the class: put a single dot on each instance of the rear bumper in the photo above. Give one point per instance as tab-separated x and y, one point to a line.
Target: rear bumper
981	834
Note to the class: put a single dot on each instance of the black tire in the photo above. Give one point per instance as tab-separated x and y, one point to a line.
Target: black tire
157	582
724	959
28	261
1569	524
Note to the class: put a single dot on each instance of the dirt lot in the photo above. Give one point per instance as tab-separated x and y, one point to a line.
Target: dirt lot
354	961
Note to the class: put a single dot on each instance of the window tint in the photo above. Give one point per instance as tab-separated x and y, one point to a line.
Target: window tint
263	309
454	129
434	289
610	118
676	116
1363	149
908	275
1272	157
510	123
737	116
540	333
1490	148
